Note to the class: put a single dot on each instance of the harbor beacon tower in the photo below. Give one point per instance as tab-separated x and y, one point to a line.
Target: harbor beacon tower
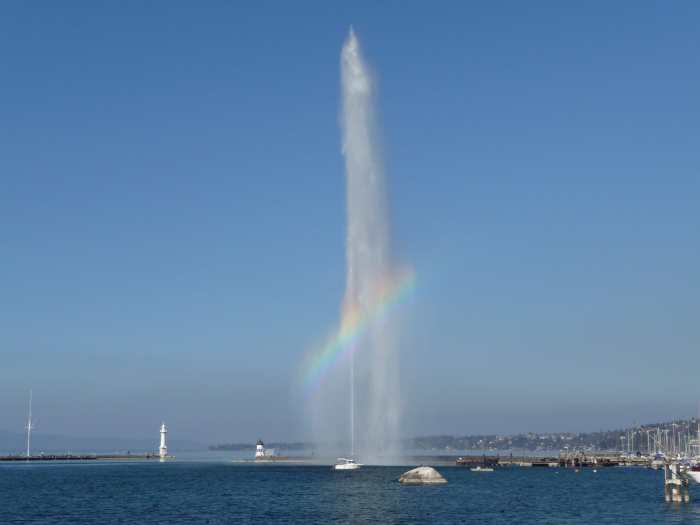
163	447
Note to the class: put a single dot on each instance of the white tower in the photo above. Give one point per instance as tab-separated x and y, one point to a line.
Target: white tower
259	449
163	447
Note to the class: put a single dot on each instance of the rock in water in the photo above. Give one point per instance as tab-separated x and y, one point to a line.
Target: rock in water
422	476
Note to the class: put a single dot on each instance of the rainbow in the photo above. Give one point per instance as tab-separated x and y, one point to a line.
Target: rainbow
355	322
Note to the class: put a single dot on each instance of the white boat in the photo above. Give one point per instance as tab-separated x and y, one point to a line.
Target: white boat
694	473
346	464
481	469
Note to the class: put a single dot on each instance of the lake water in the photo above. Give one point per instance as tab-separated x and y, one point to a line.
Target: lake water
223	492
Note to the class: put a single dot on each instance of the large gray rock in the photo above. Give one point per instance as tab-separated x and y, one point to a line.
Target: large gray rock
422	476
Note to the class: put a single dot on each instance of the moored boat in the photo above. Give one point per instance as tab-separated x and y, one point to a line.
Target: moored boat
481	469
694	473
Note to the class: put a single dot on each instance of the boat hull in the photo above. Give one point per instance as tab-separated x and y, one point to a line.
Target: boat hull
694	475
353	466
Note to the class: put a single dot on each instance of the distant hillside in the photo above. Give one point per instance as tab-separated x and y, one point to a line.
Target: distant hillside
636	438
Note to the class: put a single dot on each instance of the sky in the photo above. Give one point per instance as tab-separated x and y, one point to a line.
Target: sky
172	212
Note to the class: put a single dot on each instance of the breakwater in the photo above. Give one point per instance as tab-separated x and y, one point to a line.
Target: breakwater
80	457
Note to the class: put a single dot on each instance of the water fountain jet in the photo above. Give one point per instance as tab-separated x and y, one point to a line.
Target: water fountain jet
373	368
357	367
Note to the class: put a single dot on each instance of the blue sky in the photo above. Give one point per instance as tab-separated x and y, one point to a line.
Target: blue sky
172	211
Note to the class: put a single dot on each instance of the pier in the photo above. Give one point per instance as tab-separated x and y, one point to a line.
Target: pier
80	457
675	484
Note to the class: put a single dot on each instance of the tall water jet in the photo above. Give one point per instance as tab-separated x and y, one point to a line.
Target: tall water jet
352	380
373	370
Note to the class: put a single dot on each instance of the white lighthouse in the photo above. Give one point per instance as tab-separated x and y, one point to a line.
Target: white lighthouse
259	449
163	447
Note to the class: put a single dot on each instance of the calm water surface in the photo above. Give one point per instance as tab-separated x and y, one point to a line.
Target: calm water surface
206	492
